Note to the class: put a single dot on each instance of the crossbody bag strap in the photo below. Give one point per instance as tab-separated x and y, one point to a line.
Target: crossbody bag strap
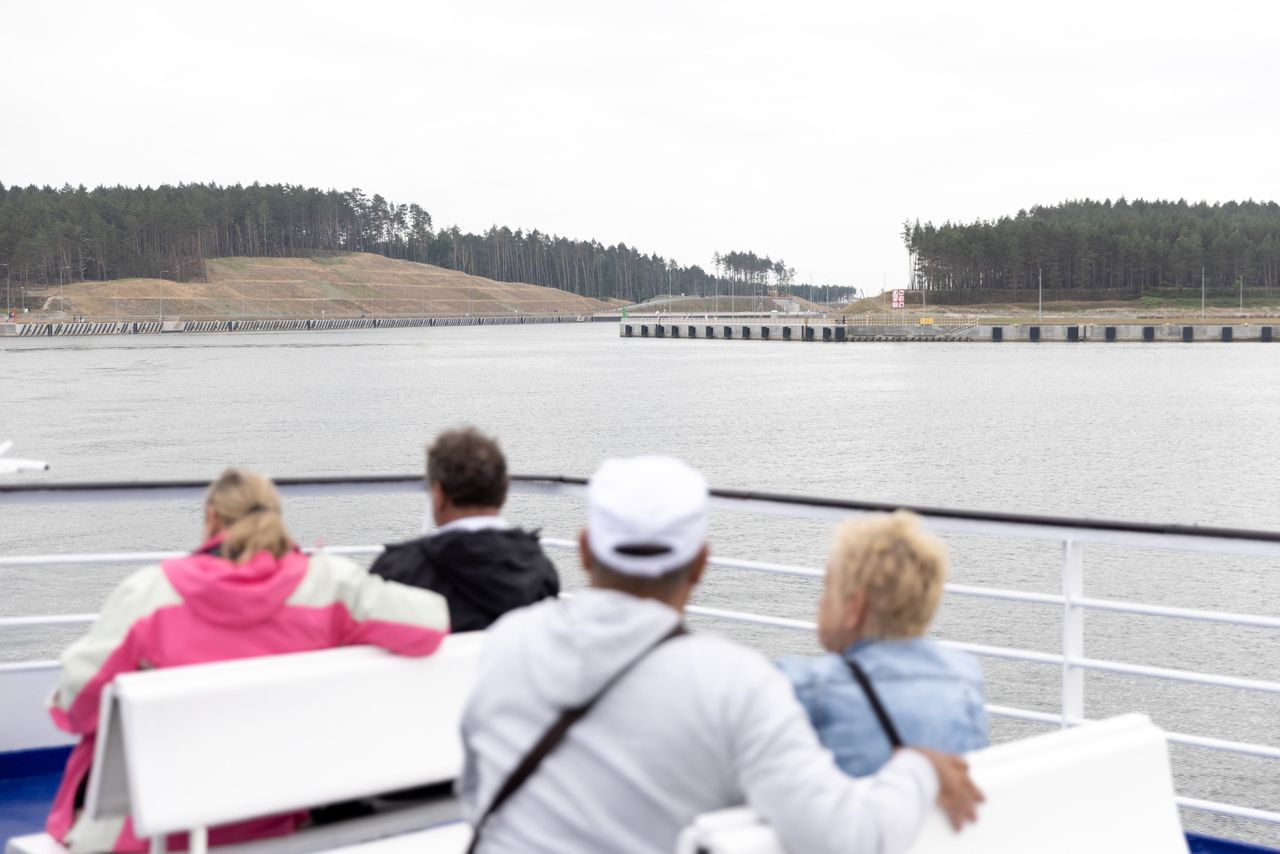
555	734
886	723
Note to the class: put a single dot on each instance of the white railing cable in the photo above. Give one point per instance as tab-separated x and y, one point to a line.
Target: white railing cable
1173	675
755	619
1179	613
1010	653
1223	745
1229	809
1006	595
88	558
1026	715
47	620
348	551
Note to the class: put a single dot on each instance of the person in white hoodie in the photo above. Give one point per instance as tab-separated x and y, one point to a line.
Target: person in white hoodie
666	724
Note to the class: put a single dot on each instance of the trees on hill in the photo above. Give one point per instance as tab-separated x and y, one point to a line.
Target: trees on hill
751	273
1100	250
50	236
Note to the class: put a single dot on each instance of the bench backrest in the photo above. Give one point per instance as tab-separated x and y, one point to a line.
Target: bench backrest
188	747
1104	788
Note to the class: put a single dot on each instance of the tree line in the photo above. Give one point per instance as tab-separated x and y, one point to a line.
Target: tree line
1091	249
50	236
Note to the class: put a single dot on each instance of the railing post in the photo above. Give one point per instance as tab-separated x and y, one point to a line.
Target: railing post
1072	632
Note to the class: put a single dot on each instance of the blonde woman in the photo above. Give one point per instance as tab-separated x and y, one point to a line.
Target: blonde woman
247	591
884	684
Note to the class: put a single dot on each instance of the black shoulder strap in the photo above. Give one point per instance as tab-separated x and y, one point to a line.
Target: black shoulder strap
886	724
555	734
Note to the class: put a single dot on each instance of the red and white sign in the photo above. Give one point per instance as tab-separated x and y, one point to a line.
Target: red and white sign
899	298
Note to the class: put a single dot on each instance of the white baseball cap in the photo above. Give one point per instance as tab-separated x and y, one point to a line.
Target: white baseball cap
646	516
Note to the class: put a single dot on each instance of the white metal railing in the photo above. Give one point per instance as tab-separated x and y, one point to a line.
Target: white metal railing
1073	534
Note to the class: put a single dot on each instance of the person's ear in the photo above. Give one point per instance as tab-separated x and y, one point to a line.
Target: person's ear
584	554
699	566
437	501
855	611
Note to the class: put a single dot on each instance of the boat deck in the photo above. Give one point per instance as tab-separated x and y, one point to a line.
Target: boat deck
28	781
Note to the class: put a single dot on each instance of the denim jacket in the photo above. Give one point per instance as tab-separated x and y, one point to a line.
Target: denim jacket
932	694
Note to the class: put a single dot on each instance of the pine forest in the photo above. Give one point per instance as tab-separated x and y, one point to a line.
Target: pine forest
1091	250
51	236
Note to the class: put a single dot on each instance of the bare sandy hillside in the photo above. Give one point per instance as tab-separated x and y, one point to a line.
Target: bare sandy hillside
348	285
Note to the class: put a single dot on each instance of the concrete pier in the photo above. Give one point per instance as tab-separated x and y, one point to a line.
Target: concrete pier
828	331
142	327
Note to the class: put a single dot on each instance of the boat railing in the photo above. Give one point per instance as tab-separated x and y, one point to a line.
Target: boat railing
1072	534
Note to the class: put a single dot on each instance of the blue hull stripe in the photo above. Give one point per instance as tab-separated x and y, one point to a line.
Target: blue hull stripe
33	763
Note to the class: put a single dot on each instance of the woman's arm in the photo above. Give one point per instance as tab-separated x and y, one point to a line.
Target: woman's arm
402	619
112	646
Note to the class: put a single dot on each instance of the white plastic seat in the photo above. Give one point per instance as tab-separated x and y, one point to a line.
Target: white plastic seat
1105	788
188	748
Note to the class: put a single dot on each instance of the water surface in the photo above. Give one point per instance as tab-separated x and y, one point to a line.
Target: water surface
1165	433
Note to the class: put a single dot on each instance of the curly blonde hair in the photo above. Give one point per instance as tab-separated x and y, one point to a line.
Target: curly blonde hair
901	567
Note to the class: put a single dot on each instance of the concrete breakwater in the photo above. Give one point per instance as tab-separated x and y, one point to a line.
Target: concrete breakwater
827	330
145	327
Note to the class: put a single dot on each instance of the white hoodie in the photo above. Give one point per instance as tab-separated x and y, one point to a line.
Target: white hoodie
699	724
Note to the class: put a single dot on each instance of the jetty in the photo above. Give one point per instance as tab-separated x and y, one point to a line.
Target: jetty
923	329
153	326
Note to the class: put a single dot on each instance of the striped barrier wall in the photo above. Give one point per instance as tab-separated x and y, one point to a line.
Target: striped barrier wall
284	325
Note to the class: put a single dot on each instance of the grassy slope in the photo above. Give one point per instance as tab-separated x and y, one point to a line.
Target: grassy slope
348	285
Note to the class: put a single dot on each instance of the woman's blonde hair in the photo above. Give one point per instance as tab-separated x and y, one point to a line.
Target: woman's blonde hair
248	510
900	566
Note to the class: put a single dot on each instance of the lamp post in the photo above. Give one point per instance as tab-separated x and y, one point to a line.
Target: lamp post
8	291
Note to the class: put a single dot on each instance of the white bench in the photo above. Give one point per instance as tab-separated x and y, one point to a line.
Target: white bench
188	748
1104	788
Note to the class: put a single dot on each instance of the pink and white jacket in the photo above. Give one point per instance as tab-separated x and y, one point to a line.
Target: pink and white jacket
202	608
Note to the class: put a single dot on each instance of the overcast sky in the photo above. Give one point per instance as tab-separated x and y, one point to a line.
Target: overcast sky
802	130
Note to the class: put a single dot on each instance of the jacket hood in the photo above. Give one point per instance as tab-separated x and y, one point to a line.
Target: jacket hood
572	646
229	594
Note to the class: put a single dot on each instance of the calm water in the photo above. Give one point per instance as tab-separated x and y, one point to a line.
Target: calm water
1160	433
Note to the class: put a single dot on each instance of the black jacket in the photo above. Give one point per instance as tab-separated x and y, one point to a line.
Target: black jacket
483	574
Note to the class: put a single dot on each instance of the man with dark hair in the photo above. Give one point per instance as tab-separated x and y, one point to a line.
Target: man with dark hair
598	724
481	565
